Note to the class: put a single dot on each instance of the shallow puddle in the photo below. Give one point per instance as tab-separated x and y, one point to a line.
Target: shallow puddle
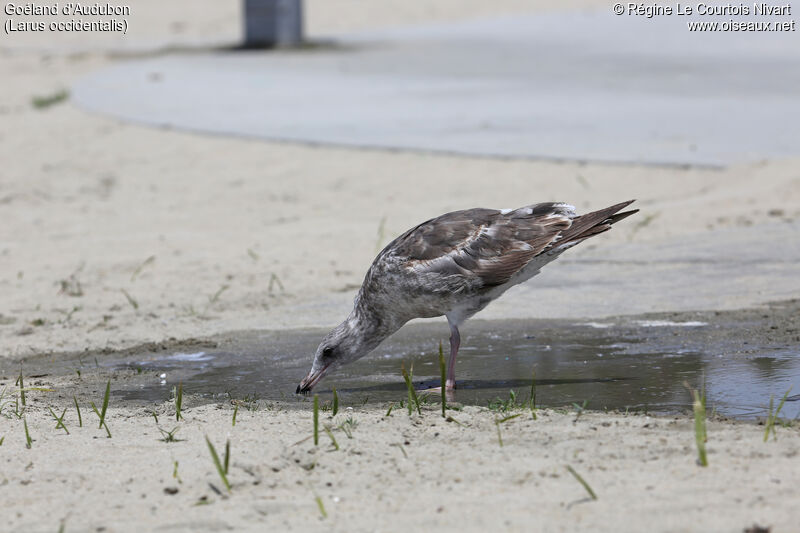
619	364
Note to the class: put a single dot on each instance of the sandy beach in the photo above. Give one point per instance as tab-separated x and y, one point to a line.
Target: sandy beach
116	235
397	472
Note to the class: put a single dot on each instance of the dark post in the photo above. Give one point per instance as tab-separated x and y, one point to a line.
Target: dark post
273	23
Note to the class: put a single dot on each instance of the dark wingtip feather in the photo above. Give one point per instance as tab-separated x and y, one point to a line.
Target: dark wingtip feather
619	216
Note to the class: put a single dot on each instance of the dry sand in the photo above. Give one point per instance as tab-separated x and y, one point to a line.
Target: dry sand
114	235
396	473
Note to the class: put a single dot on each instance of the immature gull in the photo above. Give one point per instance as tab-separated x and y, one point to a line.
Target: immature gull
454	265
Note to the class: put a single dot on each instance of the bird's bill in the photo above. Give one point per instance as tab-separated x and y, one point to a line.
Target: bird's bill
311	379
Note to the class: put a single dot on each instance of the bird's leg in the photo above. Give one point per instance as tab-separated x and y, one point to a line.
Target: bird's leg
455	341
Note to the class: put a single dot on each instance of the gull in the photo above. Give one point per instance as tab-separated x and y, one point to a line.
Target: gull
454	265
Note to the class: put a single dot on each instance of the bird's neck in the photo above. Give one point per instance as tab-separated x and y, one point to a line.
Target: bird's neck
370	324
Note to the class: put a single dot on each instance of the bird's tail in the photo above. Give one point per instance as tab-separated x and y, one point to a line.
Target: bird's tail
594	223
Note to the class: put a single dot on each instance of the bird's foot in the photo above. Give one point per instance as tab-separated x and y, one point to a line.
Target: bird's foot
450	392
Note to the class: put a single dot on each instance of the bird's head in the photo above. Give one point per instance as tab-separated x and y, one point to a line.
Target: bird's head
342	345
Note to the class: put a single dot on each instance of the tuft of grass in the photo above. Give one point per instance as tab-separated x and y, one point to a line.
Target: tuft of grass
28	439
335	402
412	394
389	410
582	481
700	435
348	426
316	420
169	436
43	102
59	419
77	408
772	417
223	473
130	299
235	410
102	414
443	379
504	406
579	409
154	415
102	423
179	402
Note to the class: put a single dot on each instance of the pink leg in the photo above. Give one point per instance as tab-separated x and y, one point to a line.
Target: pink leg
455	342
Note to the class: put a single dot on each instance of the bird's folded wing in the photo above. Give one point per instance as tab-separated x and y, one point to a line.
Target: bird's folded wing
483	245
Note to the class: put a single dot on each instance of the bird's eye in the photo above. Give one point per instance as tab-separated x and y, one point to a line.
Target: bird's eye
327	352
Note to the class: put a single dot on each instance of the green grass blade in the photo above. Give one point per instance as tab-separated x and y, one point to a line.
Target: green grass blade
770	419
412	394
582	482
773	417
77	408
28	439
179	402
21	389
532	397
59	420
443	380
321	507
105	404
227	455
316	420
330	434
335	402
235	410
699	408
220	470
102	421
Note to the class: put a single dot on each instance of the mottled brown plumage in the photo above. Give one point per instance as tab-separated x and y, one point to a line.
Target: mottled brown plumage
454	265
